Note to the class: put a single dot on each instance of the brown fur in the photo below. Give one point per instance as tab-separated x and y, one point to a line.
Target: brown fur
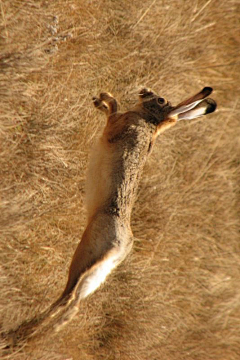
177	295
115	168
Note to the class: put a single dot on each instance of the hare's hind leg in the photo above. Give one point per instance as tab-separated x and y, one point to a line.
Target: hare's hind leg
106	103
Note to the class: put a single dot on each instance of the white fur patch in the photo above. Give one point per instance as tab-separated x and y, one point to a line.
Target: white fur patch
94	277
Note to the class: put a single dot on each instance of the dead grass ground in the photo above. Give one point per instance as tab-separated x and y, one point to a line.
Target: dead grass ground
177	296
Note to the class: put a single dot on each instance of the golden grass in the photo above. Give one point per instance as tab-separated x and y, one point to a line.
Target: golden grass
177	296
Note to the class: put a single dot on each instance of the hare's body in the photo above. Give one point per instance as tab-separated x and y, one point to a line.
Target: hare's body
115	167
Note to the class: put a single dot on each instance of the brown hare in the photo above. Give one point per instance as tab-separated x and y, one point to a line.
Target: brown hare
114	171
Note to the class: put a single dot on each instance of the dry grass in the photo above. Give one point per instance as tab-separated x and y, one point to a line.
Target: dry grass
177	296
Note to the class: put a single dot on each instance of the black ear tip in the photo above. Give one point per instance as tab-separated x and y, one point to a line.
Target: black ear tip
207	90
211	106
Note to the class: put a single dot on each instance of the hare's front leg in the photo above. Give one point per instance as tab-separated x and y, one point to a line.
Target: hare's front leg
106	103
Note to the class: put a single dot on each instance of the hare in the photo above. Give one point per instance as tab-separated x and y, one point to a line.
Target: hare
115	167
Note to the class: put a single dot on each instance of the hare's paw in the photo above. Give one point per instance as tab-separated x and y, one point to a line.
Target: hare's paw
100	105
145	93
106	102
110	101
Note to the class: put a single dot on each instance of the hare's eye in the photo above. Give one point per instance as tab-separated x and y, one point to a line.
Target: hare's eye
161	100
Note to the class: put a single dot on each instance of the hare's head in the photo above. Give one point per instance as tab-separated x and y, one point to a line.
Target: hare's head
159	109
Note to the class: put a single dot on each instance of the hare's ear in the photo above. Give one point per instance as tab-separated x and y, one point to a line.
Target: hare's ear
194	106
